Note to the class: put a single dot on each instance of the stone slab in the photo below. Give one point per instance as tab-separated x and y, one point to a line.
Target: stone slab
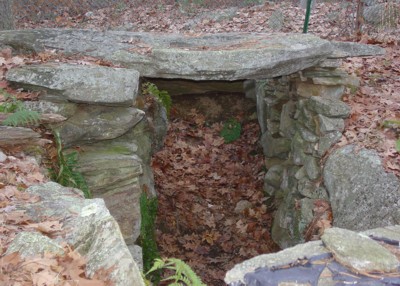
79	83
225	56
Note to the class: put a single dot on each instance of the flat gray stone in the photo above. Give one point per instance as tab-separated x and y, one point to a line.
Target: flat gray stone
79	83
359	252
362	194
229	56
389	232
306	89
284	257
328	107
17	135
351	49
92	123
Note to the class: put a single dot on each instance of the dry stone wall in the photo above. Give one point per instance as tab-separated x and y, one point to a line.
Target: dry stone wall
301	117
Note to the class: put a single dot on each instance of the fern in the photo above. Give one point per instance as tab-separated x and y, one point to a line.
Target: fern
20	115
182	272
67	175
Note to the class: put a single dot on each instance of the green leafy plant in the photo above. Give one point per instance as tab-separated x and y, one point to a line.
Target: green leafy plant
162	95
66	173
148	212
182	273
20	116
231	130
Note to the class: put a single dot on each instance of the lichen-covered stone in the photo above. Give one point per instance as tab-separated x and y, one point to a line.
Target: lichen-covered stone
327	124
359	252
284	257
92	231
311	165
362	194
93	123
79	83
29	244
306	89
287	125
328	107
274	176
275	147
184	57
327	140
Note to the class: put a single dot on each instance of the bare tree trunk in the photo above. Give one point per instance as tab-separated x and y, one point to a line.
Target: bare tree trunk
6	15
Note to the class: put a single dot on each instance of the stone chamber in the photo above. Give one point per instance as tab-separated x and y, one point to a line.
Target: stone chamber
297	89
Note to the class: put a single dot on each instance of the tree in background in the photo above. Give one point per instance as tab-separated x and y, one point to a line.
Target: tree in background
6	15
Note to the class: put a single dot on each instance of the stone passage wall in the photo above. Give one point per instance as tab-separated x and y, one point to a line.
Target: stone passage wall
301	117
115	129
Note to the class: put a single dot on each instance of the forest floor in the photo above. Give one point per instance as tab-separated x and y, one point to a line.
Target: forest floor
211	205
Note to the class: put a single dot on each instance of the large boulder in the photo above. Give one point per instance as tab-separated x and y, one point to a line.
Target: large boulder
361	193
92	231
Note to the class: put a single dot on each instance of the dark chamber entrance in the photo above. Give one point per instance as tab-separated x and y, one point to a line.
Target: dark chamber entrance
212	211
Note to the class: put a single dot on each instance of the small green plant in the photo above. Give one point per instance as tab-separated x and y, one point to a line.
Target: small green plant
148	212
20	116
162	95
231	130
182	272
66	173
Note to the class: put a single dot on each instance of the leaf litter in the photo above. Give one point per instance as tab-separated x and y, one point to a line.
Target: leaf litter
200	180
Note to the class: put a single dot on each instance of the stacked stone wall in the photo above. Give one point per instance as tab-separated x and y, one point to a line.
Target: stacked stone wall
301	118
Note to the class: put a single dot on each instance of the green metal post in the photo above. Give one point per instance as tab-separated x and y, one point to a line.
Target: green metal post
306	20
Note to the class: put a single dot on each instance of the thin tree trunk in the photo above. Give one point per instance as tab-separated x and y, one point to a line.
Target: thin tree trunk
6	15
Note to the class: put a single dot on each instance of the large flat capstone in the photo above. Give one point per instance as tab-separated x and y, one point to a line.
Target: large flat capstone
230	56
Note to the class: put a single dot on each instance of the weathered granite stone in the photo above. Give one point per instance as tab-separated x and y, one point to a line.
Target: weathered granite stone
351	49
306	89
65	109
298	146
275	147
284	257
389	232
328	107
319	265
311	165
359	252
92	231
78	83
327	124
17	135
287	125
362	194
306	134
327	141
289	223
92	123
310	190
29	244
274	176
179	56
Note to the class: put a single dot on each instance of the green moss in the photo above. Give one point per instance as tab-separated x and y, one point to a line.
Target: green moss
148	212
